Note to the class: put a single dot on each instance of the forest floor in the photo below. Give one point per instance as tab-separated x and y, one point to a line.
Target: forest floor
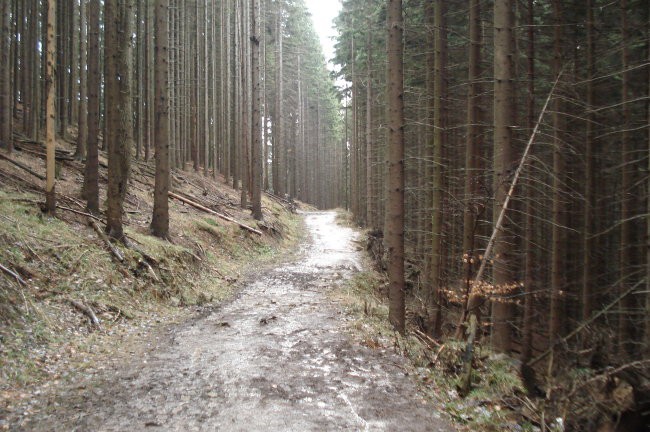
279	356
219	328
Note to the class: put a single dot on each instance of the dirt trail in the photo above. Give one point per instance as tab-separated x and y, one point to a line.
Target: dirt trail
274	359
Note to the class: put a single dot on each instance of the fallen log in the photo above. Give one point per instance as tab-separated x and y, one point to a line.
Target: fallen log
212	212
115	251
21	166
60	155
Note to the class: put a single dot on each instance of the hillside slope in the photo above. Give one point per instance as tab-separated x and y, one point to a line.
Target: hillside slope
66	299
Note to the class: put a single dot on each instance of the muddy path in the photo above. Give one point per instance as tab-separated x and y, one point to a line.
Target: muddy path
274	359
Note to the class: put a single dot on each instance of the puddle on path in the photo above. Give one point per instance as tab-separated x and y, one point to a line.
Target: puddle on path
274	359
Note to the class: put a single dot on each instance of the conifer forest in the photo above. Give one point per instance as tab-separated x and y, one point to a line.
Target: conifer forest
494	156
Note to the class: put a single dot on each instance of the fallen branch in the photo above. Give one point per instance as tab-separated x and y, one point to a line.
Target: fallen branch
86	311
292	206
60	155
144	263
427	338
106	240
79	212
21	166
212	212
435	359
13	274
504	207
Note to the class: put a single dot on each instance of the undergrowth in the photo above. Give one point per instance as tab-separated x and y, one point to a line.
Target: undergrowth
437	365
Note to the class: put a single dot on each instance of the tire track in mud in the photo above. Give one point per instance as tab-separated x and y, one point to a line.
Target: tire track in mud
274	359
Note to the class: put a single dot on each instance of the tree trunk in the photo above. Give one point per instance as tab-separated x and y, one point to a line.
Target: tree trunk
278	138
529	236
6	92
474	141
50	110
370	195
439	142
626	320
118	109
82	135
503	164
646	348
160	220
91	177
394	223
558	248
589	186
256	186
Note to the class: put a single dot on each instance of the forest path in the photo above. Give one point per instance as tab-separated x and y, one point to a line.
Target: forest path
274	359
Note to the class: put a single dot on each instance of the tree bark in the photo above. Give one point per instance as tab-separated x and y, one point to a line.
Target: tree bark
50	110
529	237
503	163
6	91
370	195
278	138
91	176
473	145
558	248
82	135
589	186
626	317
257	169
160	219
118	109
439	142
394	223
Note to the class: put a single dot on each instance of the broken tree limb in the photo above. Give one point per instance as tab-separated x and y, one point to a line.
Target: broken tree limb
79	212
114	250
23	167
212	212
499	222
13	274
86	310
427	339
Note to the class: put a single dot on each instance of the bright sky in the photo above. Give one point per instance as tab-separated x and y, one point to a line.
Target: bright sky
323	13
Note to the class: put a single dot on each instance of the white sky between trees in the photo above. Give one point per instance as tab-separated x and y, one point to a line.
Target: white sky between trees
323	13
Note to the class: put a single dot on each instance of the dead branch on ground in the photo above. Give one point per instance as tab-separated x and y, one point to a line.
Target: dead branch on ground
212	212
106	240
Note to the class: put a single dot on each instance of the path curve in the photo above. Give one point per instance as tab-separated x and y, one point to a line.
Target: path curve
274	359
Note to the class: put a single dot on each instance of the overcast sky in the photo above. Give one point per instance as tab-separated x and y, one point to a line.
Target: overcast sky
323	13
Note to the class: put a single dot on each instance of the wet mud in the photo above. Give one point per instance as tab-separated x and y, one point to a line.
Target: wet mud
276	358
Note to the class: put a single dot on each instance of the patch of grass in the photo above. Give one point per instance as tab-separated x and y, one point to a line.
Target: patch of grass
61	260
